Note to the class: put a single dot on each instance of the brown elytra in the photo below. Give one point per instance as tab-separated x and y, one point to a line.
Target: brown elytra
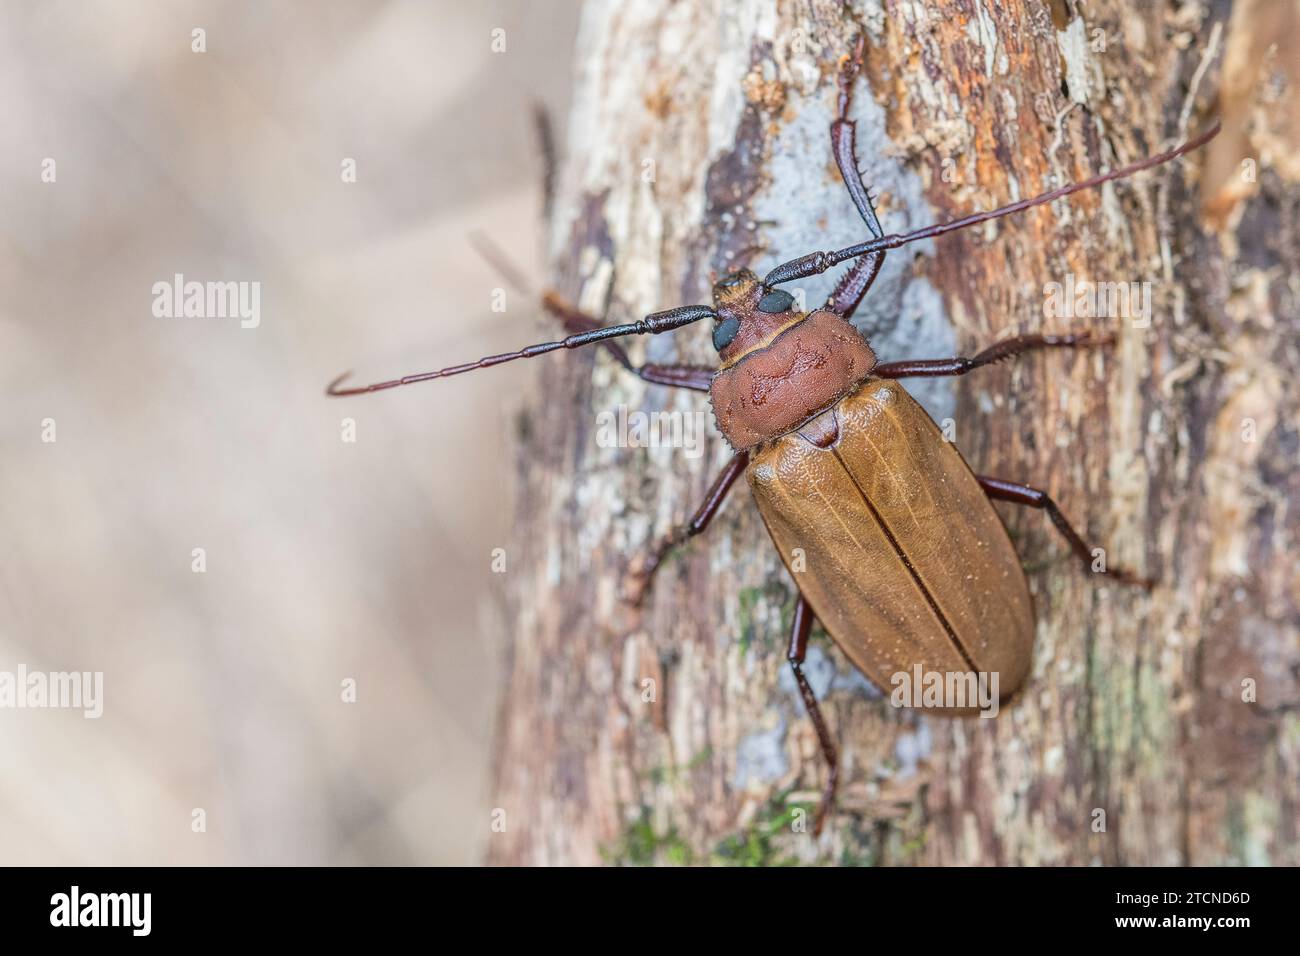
893	542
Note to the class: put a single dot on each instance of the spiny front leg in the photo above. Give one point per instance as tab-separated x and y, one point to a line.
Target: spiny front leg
843	141
853	285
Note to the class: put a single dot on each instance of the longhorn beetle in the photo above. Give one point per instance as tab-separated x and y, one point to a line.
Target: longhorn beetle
905	561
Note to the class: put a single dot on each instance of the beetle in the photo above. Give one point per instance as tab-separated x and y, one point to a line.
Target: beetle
901	555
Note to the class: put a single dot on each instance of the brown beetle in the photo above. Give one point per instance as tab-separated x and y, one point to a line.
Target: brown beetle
901	556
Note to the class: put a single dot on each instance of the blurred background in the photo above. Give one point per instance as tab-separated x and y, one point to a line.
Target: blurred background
327	560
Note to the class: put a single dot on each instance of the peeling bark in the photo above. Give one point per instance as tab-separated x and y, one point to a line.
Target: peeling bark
698	144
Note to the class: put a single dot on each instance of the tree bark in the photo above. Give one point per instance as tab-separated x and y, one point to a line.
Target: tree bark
699	143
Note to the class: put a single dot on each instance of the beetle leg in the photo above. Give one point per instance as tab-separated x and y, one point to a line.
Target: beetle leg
853	285
996	353
575	321
639	581
843	136
802	624
1024	495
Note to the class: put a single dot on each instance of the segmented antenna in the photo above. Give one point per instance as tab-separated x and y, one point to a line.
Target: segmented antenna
652	324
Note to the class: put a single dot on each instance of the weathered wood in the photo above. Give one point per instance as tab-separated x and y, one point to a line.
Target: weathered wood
699	143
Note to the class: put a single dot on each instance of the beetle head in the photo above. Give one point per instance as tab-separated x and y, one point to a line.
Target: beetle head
749	315
778	366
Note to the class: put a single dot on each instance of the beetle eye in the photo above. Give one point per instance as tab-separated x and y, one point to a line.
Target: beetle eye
725	332
778	300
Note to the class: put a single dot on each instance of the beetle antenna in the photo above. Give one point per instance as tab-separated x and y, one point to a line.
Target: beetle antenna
652	324
552	301
818	262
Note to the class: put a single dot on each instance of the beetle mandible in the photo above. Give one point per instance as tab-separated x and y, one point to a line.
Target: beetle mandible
906	563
